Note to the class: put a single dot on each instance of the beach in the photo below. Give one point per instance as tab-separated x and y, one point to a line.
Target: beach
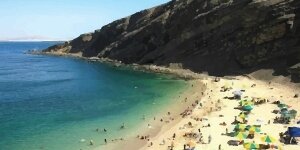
212	114
209	109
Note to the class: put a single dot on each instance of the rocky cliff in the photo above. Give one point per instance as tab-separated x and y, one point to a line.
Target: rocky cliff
221	37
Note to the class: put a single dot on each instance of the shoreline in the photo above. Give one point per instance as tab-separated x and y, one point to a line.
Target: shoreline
158	127
221	105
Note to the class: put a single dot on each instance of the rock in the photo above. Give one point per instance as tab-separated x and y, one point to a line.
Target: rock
221	37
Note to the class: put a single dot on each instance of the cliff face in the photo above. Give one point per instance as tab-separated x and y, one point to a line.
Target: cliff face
220	37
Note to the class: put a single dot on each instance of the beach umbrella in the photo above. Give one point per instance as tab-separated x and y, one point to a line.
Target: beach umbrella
247	108
254	129
246	102
241	135
243	115
240	127
293	111
268	139
283	109
251	146
281	105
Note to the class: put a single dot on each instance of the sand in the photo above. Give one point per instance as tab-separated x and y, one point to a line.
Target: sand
272	92
213	105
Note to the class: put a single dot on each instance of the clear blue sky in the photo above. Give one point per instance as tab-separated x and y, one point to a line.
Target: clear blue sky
62	19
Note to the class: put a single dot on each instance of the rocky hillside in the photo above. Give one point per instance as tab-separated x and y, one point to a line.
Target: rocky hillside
221	37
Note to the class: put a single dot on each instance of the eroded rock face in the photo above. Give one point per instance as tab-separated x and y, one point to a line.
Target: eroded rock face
217	36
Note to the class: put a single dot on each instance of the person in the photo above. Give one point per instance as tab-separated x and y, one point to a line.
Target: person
174	136
122	126
172	145
105	141
209	139
184	147
104	130
226	130
199	130
200	139
91	142
220	147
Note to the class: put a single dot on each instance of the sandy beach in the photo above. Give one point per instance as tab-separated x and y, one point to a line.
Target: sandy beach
207	108
212	113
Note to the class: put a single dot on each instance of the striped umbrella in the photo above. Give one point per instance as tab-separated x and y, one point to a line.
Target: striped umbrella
254	129
240	127
268	139
243	115
241	135
251	146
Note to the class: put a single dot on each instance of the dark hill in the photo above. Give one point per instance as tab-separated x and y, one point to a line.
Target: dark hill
221	37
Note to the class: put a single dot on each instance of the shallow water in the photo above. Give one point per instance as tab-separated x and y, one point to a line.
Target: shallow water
51	103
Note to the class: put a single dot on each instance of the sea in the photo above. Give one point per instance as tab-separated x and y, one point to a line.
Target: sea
58	103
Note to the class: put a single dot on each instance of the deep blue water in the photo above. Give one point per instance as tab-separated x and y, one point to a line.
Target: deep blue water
51	103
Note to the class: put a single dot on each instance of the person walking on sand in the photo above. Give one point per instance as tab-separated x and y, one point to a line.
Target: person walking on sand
220	147
174	136
209	139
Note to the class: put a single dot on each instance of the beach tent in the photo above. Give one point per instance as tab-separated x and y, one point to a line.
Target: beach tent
294	131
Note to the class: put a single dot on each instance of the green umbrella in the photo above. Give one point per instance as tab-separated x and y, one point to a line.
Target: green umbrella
268	139
240	127
281	105
251	146
254	129
293	111
247	108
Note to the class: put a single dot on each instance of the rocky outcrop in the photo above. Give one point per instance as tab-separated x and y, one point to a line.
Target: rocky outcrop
221	37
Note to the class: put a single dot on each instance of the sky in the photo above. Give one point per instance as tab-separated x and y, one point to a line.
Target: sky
62	19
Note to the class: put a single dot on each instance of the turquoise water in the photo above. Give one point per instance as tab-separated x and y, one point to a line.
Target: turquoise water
51	103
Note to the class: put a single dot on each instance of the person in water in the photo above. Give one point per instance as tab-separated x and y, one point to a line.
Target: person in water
122	126
91	142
